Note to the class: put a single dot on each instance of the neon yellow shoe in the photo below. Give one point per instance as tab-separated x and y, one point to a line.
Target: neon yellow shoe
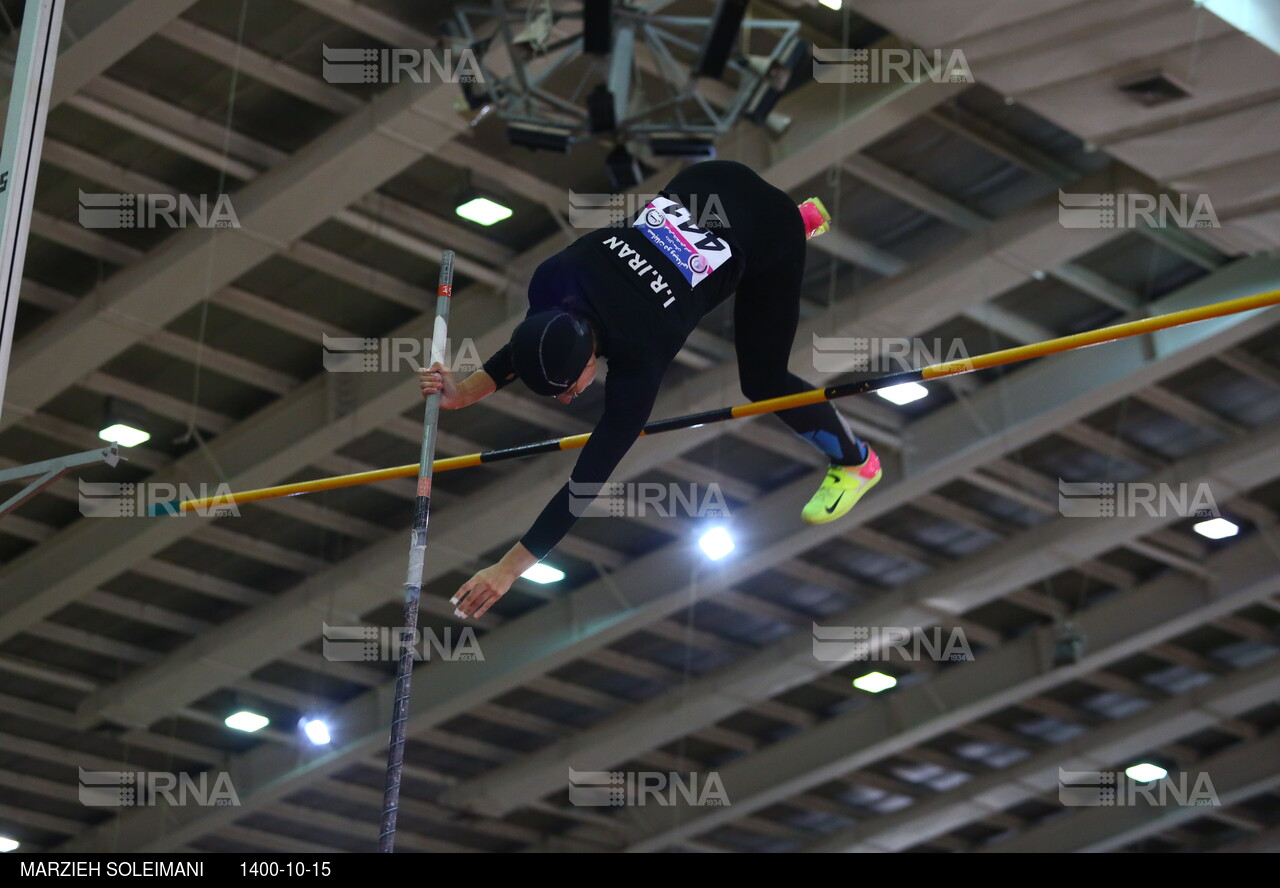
816	218
841	490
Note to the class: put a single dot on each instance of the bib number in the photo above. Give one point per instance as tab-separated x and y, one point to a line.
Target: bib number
692	249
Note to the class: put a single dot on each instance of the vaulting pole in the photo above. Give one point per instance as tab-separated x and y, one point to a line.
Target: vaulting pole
772	405
413	580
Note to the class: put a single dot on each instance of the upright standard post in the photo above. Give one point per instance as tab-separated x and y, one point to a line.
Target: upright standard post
20	157
413	581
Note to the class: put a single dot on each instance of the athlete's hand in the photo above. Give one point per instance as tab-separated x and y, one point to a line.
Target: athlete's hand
438	378
478	594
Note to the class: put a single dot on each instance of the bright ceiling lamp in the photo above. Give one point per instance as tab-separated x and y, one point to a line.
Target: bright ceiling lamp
483	211
247	721
317	731
1216	528
543	573
1145	772
874	682
903	394
122	423
124	435
716	543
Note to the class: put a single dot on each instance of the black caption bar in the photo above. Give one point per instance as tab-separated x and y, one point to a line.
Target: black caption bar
17	868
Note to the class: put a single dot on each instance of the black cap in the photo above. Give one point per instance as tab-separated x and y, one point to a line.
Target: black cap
550	351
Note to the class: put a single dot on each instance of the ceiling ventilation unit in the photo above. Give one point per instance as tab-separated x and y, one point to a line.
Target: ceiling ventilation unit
1153	88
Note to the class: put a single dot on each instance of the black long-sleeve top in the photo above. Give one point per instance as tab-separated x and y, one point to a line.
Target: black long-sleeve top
644	288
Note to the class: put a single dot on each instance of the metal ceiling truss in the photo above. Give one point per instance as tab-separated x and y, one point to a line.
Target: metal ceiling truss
523	96
973	443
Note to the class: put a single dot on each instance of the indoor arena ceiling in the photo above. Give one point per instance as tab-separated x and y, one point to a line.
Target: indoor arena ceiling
124	643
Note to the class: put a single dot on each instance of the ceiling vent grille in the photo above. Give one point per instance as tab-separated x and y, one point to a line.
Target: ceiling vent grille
1153	88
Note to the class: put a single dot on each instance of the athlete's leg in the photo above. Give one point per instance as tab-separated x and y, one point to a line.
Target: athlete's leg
766	315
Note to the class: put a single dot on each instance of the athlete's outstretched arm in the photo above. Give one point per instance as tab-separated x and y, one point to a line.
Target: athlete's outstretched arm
497	372
453	394
629	400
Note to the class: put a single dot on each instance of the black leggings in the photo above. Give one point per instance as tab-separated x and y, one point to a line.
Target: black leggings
767	303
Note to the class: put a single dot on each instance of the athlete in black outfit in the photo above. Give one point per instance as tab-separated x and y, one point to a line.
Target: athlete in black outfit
633	295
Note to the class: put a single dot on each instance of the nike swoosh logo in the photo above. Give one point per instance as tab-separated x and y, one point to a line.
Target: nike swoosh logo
836	503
